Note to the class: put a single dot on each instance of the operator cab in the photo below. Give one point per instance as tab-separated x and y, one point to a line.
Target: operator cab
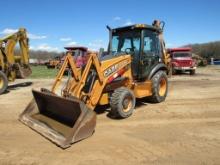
79	54
142	42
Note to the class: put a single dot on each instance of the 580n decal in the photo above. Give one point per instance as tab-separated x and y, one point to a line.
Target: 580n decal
114	68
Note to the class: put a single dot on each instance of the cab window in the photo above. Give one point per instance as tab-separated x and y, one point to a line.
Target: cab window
151	43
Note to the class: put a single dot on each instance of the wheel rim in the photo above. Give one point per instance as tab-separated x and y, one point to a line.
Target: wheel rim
1	82
127	104
162	86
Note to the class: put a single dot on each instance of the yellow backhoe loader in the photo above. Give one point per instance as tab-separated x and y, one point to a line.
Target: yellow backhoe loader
135	67
13	66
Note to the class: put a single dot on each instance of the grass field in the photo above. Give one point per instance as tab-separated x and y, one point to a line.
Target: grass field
43	72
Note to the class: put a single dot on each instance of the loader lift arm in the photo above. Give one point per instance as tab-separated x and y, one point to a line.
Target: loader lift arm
75	86
92	61
67	61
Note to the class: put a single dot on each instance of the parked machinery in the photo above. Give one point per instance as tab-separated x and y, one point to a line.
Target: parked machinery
182	60
134	68
13	66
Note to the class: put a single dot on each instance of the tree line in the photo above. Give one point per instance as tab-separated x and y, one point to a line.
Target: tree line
40	55
44	55
207	50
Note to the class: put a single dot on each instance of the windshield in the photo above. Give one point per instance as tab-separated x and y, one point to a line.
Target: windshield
77	52
126	42
181	54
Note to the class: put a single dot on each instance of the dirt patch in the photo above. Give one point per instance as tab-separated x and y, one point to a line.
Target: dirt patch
185	129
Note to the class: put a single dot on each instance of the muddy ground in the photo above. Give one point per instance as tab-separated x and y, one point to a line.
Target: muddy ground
185	129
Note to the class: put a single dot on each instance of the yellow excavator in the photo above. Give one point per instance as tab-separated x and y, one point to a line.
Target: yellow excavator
13	66
135	66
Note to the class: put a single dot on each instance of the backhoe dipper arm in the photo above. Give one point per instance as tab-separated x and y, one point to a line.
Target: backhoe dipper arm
24	44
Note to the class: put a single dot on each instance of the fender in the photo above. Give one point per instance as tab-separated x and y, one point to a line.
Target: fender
156	68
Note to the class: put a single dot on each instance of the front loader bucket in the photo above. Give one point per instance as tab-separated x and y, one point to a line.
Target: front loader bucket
61	120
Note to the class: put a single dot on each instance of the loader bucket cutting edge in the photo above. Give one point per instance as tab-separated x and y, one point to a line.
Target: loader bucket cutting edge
61	120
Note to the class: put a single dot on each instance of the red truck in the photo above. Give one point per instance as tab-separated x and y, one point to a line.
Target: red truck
80	55
181	59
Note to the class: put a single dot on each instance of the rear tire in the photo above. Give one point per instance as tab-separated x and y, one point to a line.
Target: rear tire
159	87
122	103
3	82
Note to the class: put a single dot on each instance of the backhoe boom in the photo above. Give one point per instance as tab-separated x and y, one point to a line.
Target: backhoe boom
13	66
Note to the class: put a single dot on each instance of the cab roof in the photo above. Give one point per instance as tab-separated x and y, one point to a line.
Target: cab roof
71	48
137	26
186	49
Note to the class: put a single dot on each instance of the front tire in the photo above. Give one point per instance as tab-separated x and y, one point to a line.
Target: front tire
159	87
122	103
3	82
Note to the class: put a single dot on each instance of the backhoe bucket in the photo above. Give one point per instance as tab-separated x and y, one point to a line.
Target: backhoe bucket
23	71
61	120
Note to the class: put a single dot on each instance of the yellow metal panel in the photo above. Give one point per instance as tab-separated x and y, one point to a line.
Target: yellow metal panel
10	51
143	89
104	99
1	60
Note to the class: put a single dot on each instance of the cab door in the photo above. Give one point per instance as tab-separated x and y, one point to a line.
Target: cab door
151	54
